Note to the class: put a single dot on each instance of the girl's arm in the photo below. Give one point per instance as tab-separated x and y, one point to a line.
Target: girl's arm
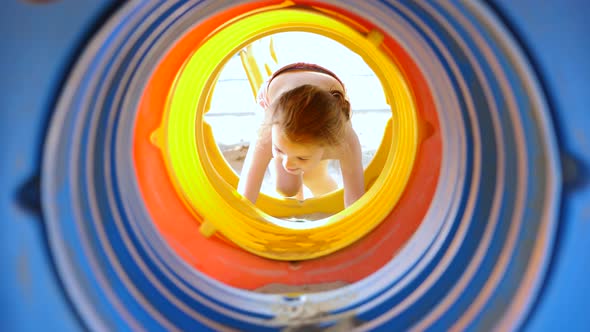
257	159
351	165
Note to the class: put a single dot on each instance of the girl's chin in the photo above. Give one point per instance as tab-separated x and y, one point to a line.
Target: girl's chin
293	171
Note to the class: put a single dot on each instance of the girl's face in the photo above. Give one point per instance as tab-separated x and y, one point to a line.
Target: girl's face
296	158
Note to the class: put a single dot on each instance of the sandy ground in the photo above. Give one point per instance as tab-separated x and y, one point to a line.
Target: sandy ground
282	288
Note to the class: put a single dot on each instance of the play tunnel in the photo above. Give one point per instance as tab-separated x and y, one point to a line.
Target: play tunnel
146	230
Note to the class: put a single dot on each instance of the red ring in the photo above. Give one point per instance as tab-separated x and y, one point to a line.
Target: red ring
233	266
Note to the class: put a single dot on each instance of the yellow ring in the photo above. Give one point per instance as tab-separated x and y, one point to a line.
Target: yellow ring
218	203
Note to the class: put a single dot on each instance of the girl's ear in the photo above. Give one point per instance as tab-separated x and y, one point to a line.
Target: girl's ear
342	102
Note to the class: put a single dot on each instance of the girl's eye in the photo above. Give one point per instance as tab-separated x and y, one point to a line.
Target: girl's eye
302	159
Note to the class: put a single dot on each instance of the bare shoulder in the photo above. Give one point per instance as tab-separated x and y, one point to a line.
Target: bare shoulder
349	150
353	144
263	137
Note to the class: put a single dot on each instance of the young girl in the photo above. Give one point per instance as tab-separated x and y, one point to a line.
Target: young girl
307	123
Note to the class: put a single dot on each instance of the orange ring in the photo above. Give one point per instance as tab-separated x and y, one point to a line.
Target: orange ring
233	266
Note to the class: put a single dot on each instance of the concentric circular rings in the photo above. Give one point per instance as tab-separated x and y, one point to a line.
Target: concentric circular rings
220	204
183	234
470	262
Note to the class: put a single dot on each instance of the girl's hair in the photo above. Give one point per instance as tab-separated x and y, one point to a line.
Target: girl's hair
309	114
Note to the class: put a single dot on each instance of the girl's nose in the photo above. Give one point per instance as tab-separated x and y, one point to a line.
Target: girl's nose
289	163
